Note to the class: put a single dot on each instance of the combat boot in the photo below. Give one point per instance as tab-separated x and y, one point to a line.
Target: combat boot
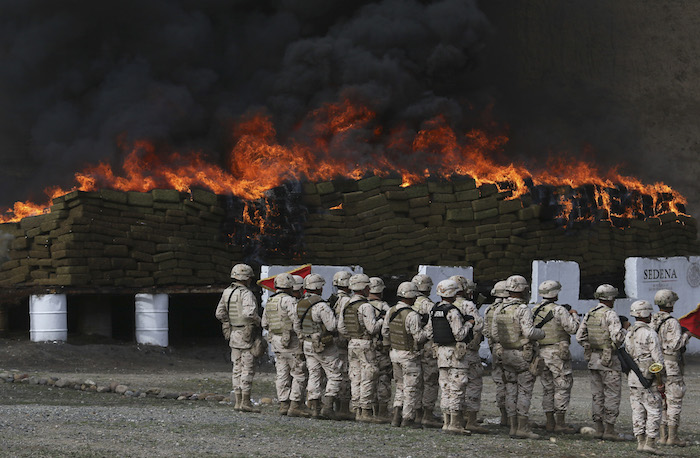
663	435
284	407
409	423
549	427
381	412
673	438
315	408
367	416
455	426
237	399
513	422
560	424
641	440
327	412
650	446
445	421
246	405
429	421
344	413
396	419
298	409
472	425
504	416
609	434
523	431
599	429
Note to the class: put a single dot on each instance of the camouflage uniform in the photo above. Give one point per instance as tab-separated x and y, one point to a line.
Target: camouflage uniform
408	334
429	367
362	357
673	340
320	349
513	330
557	376
475	370
342	344
496	364
383	359
642	343
238	312
281	321
601	333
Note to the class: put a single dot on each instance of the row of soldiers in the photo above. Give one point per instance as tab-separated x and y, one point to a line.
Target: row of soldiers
354	343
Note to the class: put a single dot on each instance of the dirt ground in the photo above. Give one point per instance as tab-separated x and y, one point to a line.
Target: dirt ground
42	420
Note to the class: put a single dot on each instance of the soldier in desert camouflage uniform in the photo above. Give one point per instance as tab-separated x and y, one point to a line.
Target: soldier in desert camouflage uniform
557	376
238	312
499	293
376	294
341	281
642	344
673	341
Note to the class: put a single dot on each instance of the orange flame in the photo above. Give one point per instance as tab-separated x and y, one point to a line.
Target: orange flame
259	162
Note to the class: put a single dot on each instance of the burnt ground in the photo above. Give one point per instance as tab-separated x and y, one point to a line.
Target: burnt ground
42	420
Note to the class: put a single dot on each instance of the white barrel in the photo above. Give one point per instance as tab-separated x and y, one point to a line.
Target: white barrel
151	318
48	317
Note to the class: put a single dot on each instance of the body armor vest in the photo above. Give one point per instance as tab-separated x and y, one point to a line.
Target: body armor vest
278	320
508	325
442	332
399	337
308	325
598	332
235	308
353	327
554	332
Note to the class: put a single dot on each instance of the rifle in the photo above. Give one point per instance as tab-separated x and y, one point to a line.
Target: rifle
628	364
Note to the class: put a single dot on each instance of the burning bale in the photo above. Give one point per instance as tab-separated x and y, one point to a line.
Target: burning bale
166	238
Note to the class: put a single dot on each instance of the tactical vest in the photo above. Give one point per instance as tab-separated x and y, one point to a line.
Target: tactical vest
509	333
235	307
399	337
308	325
442	332
278	321
598	332
353	327
553	330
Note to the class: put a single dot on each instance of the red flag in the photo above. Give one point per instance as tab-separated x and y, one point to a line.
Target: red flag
691	322
269	282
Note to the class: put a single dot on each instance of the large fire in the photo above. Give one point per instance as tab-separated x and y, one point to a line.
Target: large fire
258	161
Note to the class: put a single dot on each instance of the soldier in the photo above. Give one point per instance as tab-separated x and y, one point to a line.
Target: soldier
642	344
475	370
514	335
359	322
317	322
600	334
337	301
376	293
404	331
298	288
429	387
499	293
281	321
557	376
238	312
673	342
452	331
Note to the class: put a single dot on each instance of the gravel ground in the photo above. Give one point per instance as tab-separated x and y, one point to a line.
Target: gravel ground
47	421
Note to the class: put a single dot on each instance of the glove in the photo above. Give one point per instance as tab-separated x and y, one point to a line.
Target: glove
468	318
424	317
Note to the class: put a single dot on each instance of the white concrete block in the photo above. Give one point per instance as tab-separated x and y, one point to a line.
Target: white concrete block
565	272
439	273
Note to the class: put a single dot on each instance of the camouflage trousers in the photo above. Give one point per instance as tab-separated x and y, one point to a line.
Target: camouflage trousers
363	370
646	411
407	375
606	389
326	363
290	378
675	390
243	369
430	381
384	378
344	392
475	382
557	378
519	383
497	376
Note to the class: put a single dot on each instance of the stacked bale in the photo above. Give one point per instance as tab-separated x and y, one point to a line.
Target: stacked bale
121	239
